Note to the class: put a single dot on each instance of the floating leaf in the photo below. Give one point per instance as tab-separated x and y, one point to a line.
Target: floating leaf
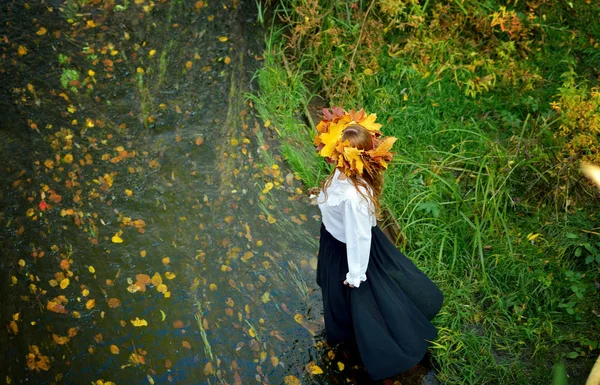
64	283
114	349
137	322
169	275
116	238
60	340
90	304
292	380
314	369
114	303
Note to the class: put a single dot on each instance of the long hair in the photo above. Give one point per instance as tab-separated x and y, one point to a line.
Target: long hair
359	137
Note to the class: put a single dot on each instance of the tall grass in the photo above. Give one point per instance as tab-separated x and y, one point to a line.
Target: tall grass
473	184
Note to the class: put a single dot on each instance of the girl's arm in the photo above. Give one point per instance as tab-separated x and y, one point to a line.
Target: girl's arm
357	227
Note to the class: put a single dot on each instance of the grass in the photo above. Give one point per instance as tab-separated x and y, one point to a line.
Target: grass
474	184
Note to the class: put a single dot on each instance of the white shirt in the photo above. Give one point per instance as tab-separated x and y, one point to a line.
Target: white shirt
349	217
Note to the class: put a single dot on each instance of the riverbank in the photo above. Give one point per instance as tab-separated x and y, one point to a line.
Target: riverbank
494	107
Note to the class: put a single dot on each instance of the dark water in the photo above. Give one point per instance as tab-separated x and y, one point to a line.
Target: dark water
127	121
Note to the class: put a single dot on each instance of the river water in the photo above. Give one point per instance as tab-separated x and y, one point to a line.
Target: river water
150	232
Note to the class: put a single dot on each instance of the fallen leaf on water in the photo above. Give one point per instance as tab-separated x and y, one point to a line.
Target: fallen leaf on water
64	283
292	380
299	318
274	361
164	316
222	39
268	187
340	365
314	369
170	275
117	238
90	304
208	369
186	344
114	349
60	340
114	303
139	322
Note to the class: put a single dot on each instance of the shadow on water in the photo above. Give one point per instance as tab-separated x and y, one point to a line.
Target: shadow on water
150	233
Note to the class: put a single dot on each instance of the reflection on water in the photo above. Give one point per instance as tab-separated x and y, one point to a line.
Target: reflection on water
150	233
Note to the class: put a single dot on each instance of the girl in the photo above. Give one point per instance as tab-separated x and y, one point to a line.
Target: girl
373	295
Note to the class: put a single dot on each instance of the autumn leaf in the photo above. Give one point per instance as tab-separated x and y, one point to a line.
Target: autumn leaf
64	283
114	349
352	155
22	51
169	275
137	322
41	31
90	304
315	369
186	344
114	303
60	340
292	380
116	238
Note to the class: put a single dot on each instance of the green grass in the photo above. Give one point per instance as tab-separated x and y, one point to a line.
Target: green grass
473	180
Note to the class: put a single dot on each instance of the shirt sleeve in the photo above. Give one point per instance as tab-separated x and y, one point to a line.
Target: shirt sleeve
357	228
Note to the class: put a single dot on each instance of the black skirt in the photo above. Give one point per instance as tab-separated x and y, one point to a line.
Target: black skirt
388	316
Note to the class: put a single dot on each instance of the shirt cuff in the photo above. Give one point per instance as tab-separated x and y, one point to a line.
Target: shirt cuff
355	279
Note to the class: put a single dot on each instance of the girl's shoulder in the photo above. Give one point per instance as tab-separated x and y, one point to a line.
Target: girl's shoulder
344	190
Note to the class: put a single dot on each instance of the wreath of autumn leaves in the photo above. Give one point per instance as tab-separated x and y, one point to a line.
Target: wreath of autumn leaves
351	160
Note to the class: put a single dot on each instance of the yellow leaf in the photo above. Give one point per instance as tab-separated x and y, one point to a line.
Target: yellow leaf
223	39
21	51
137	322
128	192
368	71
116	238
292	380
314	369
213	287
21	262
41	31
64	283
532	236
143	253
227	60
90	304
340	365
369	123
352	155
252	333
156	279
274	361
169	275
268	187
298	318
162	288
152	52
271	219
114	349
92	269
188	64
